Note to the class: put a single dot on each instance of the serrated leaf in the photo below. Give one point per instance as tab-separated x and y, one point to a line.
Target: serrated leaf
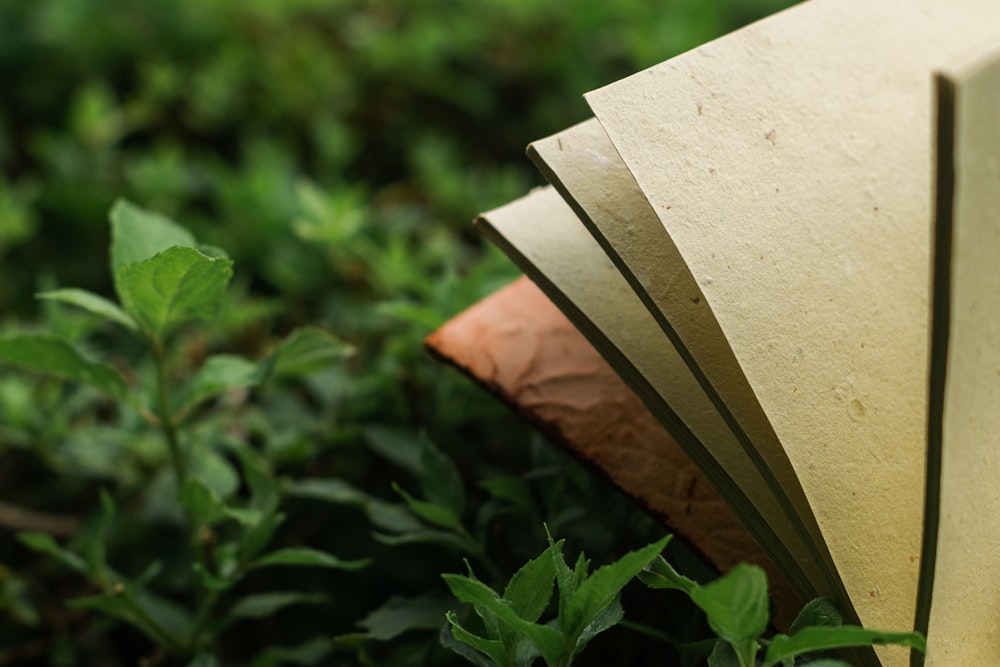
93	303
47	354
138	234
262	605
492	648
736	605
661	574
530	589
46	544
609	617
602	587
308	350
173	287
401	614
304	556
819	638
564	576
546	639
818	611
439	479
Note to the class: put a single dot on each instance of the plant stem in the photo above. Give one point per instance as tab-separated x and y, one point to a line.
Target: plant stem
167	422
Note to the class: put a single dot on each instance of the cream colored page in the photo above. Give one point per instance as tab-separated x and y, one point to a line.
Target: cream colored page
548	241
965	607
790	164
583	164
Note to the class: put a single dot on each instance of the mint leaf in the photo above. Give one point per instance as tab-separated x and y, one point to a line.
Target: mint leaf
530	589
93	303
47	354
818	638
308	350
173	287
736	606
138	234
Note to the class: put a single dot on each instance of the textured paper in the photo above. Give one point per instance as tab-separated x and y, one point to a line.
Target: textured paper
521	348
584	166
790	163
546	239
965	603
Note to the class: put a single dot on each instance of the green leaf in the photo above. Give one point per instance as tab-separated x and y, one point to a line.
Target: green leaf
91	302
736	605
46	544
546	639
258	535
46	354
608	617
530	589
402	614
601	588
432	513
493	648
262	605
818	611
205	660
173	287
308	350
440	481
311	652
723	655
138	234
661	574
211	581
818	638
201	502
219	374
304	556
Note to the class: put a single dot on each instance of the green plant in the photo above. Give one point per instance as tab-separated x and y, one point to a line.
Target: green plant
588	604
736	606
164	281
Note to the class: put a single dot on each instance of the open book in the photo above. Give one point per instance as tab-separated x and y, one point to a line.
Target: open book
785	242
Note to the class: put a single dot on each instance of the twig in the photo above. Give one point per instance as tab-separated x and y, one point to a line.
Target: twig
18	518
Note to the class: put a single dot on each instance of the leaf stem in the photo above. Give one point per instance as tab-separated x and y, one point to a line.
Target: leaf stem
167	422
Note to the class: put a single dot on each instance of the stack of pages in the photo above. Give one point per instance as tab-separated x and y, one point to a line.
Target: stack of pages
786	243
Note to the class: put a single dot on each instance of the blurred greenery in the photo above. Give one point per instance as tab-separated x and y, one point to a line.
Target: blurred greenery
337	150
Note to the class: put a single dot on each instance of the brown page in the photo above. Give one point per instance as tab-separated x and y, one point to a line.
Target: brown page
789	163
521	348
961	585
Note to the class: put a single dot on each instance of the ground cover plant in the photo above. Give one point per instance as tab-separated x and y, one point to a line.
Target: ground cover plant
206	479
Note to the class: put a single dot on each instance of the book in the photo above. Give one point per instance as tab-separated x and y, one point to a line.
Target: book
781	241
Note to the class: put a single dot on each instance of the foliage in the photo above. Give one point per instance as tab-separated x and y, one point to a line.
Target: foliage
736	606
164	281
336	149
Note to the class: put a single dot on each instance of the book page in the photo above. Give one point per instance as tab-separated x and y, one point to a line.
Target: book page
965	398
546	239
584	166
789	162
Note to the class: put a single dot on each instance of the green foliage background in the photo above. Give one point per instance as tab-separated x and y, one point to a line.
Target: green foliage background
336	149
